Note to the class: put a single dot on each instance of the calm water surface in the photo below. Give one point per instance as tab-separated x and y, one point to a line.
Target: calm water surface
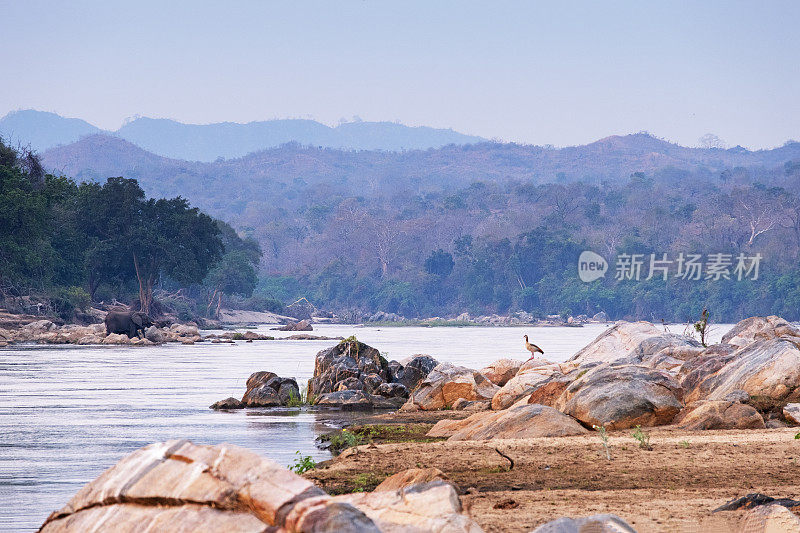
67	413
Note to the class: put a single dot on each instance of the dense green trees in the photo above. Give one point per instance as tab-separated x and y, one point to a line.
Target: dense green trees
56	234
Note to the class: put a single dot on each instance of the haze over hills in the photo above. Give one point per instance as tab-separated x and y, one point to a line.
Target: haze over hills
365	173
207	142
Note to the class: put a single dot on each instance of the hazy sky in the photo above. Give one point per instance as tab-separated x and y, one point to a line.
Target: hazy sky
556	72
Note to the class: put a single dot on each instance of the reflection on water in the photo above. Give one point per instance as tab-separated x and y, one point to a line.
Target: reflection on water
67	413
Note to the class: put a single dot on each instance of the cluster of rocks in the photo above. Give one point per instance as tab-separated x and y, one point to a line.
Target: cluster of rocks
353	375
177	485
382	316
47	332
264	389
521	318
518	318
632	374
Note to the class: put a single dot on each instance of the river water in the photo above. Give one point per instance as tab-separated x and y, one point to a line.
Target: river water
67	413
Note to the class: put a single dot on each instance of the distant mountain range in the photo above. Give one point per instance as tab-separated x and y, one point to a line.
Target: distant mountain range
208	142
286	173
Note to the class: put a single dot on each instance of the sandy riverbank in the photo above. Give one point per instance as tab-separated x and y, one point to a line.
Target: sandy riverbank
673	487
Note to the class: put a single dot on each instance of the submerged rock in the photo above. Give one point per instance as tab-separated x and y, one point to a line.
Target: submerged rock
356	400
227	403
303	325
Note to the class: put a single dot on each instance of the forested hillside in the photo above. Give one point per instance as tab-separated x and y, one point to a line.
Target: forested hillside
493	227
64	244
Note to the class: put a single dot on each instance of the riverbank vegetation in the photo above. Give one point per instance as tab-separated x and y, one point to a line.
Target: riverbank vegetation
65	244
485	229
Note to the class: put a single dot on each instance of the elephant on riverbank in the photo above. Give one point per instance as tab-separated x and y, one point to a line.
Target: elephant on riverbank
129	323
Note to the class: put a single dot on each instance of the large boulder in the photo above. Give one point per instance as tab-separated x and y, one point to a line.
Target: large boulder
348	359
153	334
447	383
267	389
202	488
414	370
709	361
531	375
522	421
711	414
599	523
764	368
432	506
622	396
617	342
666	351
502	370
759	328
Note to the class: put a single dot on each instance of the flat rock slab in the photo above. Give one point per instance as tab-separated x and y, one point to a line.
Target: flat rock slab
518	422
599	523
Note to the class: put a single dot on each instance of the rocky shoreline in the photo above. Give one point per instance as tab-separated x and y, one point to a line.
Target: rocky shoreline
640	430
22	329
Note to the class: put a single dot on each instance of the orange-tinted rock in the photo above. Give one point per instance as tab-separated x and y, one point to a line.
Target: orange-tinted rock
500	371
446	383
521	421
409	477
709	414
